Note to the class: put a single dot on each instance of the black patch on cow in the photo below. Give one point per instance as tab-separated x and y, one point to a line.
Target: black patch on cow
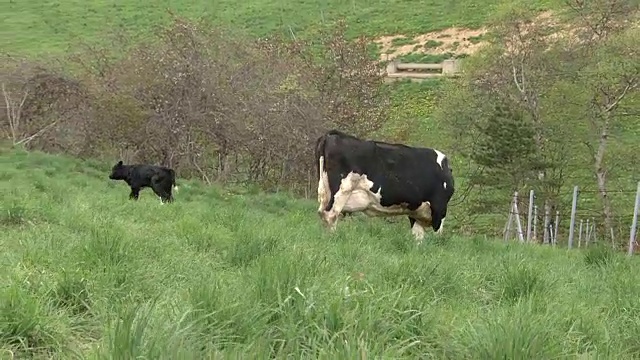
406	174
159	178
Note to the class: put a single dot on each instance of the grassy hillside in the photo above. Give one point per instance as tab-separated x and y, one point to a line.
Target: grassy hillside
86	273
39	26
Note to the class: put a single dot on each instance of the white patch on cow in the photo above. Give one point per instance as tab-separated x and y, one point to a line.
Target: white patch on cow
445	185
161	202
439	232
354	195
418	231
440	157
423	213
175	188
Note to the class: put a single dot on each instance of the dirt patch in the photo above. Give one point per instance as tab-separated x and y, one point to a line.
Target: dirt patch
453	40
457	41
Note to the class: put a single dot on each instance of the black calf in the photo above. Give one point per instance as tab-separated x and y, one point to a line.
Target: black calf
159	178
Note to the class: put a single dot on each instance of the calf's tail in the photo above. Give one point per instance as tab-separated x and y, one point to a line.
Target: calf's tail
173	180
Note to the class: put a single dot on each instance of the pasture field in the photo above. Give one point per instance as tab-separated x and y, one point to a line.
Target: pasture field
36	27
220	273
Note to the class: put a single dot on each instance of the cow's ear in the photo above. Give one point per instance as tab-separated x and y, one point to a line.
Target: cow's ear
119	163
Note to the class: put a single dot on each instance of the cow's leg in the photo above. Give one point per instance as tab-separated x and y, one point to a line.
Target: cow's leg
324	190
333	183
411	221
328	186
417	229
439	232
340	199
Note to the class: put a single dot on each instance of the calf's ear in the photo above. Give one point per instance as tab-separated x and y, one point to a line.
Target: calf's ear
119	163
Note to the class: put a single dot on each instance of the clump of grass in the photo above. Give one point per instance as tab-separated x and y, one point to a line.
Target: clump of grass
476	39
440	240
26	326
247	249
598	256
517	333
426	58
401	41
72	294
432	44
14	215
519	281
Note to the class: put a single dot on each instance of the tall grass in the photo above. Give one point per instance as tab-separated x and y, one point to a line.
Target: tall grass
220	273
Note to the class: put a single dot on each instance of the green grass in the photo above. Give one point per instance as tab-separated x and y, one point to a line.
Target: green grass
86	273
37	26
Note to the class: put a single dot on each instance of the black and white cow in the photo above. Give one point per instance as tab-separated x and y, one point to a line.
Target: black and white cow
382	179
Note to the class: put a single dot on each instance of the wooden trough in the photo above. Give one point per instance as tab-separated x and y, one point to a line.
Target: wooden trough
397	70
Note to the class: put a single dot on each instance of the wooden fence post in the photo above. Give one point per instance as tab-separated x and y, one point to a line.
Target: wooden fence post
535	223
529	215
555	231
580	233
574	205
517	214
634	222
545	227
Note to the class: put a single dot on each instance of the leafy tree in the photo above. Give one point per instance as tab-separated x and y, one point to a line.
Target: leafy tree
605	73
497	112
518	112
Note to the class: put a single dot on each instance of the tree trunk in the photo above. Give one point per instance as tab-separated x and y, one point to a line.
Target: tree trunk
601	175
530	102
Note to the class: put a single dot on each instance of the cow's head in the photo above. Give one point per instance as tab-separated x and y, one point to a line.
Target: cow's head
119	171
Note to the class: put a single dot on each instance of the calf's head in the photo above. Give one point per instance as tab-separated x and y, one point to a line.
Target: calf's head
119	171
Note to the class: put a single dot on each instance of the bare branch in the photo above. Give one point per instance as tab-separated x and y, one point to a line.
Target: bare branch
614	104
515	77
9	113
28	139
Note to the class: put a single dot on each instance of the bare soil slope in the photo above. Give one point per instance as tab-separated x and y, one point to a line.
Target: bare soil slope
453	40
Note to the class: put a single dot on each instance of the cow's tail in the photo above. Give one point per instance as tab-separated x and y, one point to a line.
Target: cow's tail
320	144
324	190
173	180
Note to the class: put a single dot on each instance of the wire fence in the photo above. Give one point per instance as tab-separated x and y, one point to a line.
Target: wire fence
483	208
575	225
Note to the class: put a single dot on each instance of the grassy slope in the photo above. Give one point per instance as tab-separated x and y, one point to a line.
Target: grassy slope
39	26
218	271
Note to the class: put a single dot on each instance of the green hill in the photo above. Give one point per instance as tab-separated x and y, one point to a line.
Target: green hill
39	26
87	273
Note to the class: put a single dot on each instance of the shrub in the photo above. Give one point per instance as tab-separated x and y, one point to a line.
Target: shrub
202	100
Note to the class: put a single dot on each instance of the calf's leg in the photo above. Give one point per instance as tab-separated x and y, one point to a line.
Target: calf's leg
135	193
162	188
